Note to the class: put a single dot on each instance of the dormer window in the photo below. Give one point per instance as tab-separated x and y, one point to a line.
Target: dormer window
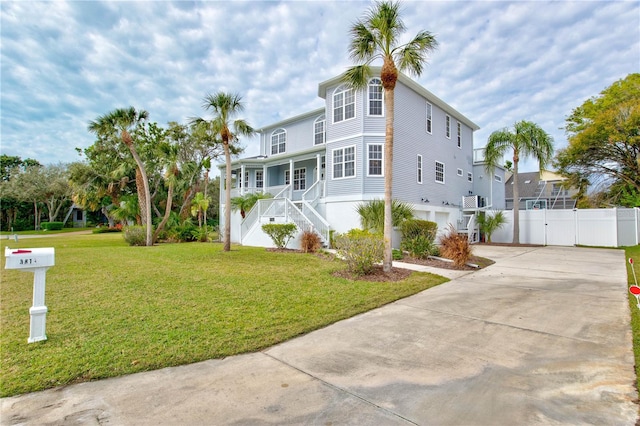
375	97
344	104
278	141
319	127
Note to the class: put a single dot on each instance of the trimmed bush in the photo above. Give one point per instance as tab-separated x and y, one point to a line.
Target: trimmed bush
455	246
418	237
360	249
135	235
52	226
280	233
310	242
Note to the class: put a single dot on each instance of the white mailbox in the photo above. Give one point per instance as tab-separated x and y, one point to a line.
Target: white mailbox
36	260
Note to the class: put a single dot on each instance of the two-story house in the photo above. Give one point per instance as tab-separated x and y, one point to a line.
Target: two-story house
320	165
540	190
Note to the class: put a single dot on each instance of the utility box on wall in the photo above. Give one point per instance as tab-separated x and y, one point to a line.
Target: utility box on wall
36	260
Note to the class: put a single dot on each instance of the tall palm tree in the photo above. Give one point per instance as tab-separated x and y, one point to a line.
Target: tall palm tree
123	121
376	36
225	106
526	140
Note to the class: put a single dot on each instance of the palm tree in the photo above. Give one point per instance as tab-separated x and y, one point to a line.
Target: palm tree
526	140
199	205
376	37
123	120
372	214
225	106
246	202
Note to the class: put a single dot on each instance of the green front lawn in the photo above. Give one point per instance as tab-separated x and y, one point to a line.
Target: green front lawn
115	309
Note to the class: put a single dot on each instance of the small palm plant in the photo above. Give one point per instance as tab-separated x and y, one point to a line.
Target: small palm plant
372	214
246	202
490	222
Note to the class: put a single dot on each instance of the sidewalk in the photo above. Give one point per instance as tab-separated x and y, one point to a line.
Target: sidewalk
540	337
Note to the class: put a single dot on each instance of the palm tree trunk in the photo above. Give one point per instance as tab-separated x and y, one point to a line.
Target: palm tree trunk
388	183
167	212
145	181
227	198
516	202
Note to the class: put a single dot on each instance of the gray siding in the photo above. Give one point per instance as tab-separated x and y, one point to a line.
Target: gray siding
300	136
411	139
345	186
347	128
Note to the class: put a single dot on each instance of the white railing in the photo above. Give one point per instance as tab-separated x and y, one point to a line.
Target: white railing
473	233
282	190
249	219
314	192
318	223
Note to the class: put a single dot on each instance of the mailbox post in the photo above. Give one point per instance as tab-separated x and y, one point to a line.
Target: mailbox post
36	260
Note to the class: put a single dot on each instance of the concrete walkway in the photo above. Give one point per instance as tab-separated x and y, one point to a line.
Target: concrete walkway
540	337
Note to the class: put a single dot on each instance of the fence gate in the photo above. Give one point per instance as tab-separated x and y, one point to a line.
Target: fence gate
560	227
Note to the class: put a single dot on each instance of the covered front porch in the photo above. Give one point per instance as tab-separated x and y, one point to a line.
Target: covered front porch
296	185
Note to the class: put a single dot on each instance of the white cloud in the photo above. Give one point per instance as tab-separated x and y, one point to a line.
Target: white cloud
65	63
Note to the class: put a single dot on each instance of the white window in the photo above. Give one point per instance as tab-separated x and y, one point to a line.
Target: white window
344	104
419	168
459	172
319	130
246	180
259	179
375	159
429	117
344	162
299	179
447	126
375	96
459	135
278	141
287	177
497	178
470	177
439	172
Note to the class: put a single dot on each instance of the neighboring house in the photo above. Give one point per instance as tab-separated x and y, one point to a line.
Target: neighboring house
545	190
320	165
77	216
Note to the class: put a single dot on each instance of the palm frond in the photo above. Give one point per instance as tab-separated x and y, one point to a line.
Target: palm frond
412	56
358	76
363	43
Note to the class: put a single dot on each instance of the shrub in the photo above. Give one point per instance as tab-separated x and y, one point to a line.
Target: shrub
418	237
203	234
396	254
105	229
135	235
310	242
52	226
360	249
455	246
372	214
489	223
280	233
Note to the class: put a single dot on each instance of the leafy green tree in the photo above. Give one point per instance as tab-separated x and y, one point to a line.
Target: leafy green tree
57	189
124	121
199	205
376	36
172	172
226	106
604	141
527	139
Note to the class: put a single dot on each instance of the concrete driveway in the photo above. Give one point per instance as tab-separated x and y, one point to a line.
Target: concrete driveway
541	337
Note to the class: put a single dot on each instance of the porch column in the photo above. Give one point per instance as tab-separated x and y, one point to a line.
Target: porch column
242	188
291	179
318	166
264	179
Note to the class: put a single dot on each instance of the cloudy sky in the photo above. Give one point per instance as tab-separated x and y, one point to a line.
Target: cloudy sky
65	63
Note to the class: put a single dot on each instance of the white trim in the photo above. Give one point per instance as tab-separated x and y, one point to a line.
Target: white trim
381	145
497	178
322	118
436	172
429	117
359	135
381	100
419	170
279	131
344	162
343	88
460	172
293	181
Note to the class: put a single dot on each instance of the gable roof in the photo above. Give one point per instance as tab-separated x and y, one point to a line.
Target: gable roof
404	79
527	185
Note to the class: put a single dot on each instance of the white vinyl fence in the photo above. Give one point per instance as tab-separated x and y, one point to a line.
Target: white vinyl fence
589	227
